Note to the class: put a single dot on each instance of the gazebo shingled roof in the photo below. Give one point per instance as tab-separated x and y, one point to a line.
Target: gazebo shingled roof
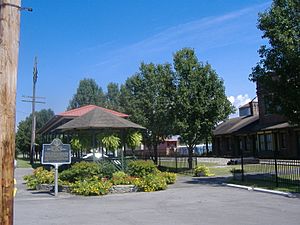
98	119
66	116
87	108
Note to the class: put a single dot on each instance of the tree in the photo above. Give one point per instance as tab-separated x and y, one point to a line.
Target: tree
23	135
87	93
147	98
112	98
278	71
200	99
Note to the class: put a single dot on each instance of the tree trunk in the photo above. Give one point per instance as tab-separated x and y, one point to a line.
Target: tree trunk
9	50
206	144
190	157
155	154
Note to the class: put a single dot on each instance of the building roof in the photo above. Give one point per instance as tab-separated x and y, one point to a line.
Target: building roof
87	108
236	125
247	105
69	115
96	119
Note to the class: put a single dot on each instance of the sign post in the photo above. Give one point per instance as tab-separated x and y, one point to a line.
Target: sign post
56	154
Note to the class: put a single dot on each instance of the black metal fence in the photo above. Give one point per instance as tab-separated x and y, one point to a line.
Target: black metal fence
177	164
268	172
277	171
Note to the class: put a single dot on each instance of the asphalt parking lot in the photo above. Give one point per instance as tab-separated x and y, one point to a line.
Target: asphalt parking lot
188	202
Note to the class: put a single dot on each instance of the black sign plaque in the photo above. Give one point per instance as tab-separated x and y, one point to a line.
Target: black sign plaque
56	153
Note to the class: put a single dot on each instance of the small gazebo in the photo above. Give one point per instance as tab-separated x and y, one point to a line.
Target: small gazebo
98	121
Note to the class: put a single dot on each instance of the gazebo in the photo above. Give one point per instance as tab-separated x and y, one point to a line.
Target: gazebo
98	121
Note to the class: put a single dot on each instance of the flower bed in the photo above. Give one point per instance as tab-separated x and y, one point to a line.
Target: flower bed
95	179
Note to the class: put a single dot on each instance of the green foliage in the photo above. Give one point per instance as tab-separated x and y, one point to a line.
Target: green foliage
111	142
81	171
31	181
39	176
141	168
122	178
86	170
112	97
134	140
278	71
88	92
23	135
147	97
85	141
90	187
75	144
188	100
202	171
151	183
200	99
169	177
107	168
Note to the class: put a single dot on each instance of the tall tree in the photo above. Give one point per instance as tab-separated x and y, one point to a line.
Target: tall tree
88	92
200	99
278	71
147	97
112	97
23	135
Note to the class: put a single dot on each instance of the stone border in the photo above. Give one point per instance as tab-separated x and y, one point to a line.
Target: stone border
115	189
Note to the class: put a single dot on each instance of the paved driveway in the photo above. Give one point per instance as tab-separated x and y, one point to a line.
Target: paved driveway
188	202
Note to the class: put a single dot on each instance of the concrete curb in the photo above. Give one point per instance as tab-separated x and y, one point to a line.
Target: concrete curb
286	194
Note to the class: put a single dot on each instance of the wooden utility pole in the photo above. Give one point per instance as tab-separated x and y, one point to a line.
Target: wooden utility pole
33	102
9	50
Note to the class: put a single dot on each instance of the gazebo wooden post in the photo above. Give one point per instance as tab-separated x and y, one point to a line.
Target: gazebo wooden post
94	145
123	148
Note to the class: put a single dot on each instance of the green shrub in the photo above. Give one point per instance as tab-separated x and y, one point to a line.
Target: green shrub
107	168
202	171
80	171
39	176
170	177
31	181
151	183
122	178
93	186
141	168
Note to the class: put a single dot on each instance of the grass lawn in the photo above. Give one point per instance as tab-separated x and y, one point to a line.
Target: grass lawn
224	170
24	163
182	165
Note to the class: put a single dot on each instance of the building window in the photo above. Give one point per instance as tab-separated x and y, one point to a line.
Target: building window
265	142
241	143
269	142
298	142
262	146
248	143
282	140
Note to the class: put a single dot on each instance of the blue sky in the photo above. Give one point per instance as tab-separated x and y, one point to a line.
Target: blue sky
107	41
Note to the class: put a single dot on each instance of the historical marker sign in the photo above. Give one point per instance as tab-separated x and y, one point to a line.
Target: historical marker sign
56	153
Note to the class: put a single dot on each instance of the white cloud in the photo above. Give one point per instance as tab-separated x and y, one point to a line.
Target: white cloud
238	101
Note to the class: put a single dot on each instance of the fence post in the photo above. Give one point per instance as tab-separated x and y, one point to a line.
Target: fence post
176	168
242	162
275	158
159	159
